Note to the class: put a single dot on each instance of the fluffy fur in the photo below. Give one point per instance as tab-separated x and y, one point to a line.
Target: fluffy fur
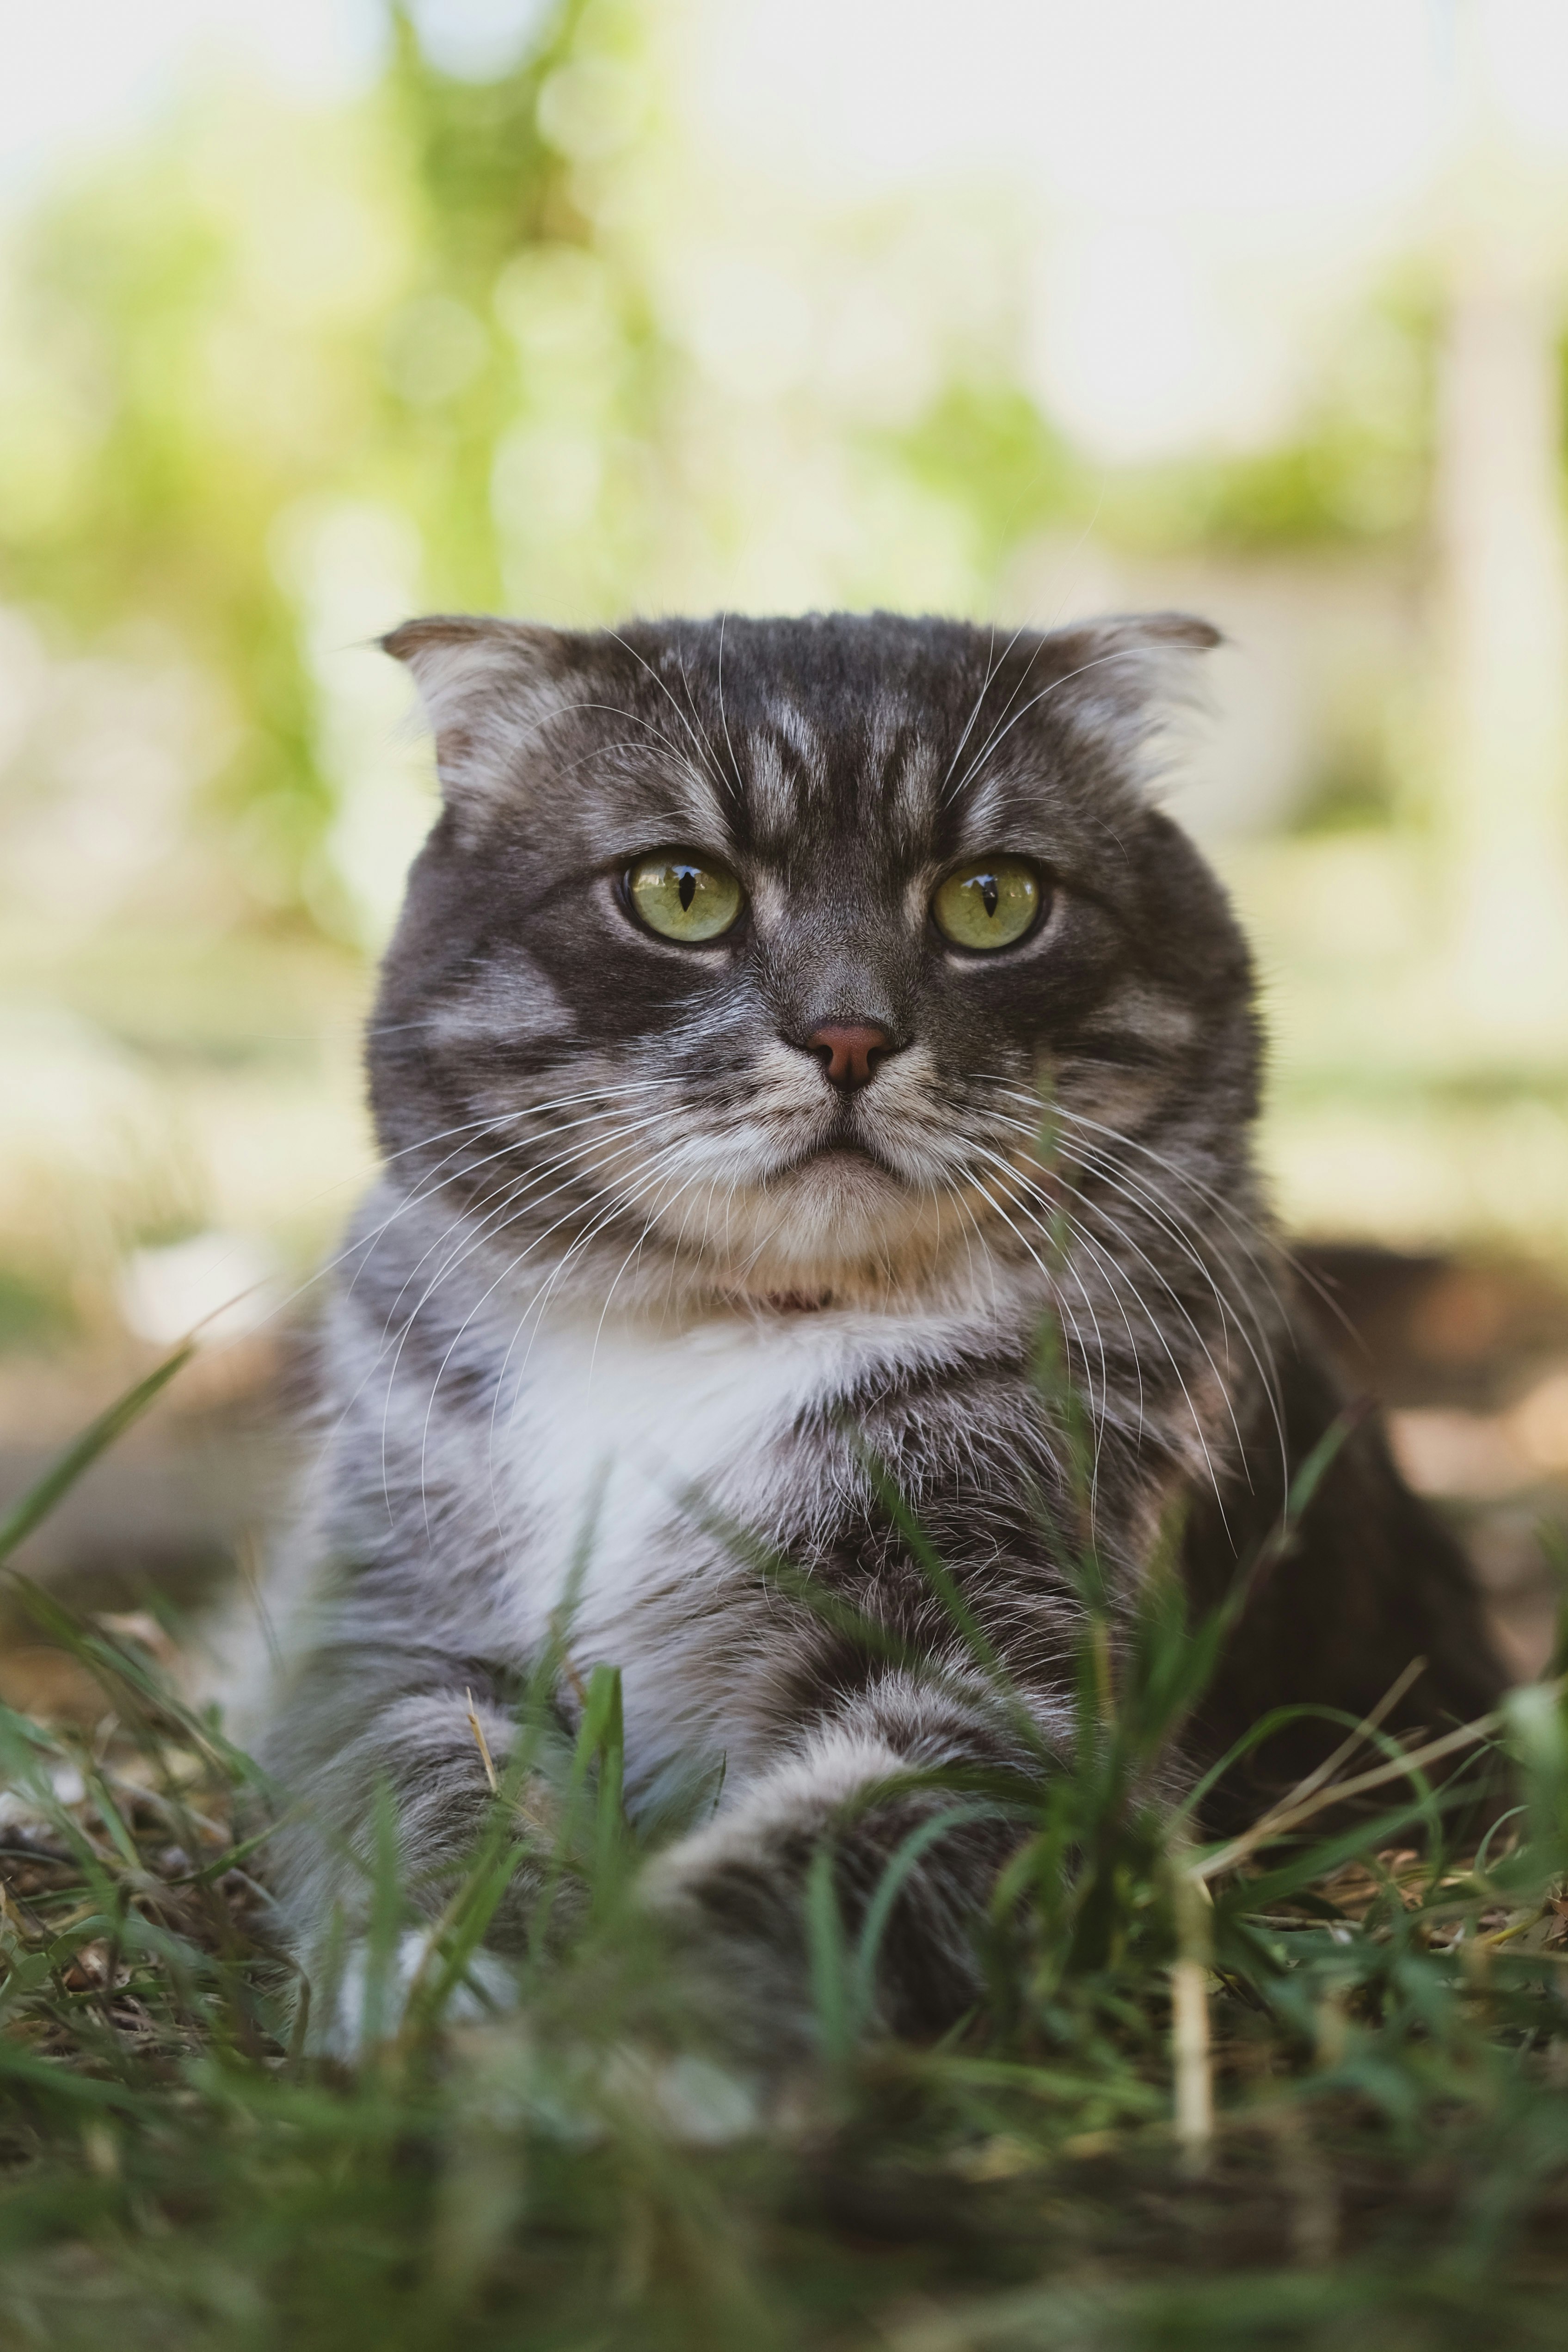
637	1275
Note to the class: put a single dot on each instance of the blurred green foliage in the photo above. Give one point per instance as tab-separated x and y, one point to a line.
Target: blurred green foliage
444	310
1357	468
250	311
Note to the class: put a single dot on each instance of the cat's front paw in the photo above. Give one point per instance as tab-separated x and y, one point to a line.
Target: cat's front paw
735	1933
367	2004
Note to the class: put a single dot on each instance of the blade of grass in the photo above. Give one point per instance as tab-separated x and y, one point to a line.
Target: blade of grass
1191	2051
80	1455
901	1862
1279	1819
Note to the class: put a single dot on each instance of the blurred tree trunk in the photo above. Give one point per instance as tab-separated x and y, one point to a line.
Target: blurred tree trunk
1504	585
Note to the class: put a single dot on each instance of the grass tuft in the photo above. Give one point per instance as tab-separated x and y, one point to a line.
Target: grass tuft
1305	2088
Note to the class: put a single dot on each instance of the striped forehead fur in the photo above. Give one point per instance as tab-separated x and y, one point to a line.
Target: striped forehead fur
770	786
490	688
796	729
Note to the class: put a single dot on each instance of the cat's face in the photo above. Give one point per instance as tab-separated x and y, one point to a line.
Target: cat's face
752	952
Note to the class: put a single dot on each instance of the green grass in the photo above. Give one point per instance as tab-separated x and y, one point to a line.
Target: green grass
1307	2089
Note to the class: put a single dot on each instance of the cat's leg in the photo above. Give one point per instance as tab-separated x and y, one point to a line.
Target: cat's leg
341	1752
366	1999
733	1894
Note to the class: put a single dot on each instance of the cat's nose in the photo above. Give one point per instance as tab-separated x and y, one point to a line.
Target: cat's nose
849	1053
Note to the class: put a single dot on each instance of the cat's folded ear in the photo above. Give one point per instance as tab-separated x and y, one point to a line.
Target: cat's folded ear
487	687
1124	679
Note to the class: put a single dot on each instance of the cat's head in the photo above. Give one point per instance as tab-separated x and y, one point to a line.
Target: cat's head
752	952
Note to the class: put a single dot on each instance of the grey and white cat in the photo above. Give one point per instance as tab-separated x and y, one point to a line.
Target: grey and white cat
786	1018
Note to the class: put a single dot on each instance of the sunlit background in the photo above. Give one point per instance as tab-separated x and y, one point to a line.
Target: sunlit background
318	313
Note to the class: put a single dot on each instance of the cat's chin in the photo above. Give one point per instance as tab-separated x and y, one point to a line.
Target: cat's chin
837	1223
847	1181
846	1163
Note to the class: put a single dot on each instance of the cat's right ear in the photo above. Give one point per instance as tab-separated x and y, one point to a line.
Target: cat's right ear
486	687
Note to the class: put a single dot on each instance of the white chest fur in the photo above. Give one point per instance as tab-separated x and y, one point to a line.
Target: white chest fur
617	1426
617	1431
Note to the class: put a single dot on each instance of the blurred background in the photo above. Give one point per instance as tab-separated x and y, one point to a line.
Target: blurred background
318	313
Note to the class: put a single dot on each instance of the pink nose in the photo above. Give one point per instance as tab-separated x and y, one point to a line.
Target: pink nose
849	1054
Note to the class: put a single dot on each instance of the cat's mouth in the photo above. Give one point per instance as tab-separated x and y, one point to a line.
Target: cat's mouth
843	1153
841	1147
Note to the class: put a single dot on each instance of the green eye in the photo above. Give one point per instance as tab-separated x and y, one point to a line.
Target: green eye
684	899
989	904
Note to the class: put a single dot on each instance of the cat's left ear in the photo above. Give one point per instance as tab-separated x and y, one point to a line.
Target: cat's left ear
1124	679
487	687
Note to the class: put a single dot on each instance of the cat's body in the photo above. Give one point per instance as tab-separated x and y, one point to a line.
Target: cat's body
678	1237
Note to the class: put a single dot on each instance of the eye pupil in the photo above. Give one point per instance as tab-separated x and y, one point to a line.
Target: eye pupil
989	893
687	889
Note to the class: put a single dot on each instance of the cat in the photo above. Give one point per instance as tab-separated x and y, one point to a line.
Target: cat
788	1020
